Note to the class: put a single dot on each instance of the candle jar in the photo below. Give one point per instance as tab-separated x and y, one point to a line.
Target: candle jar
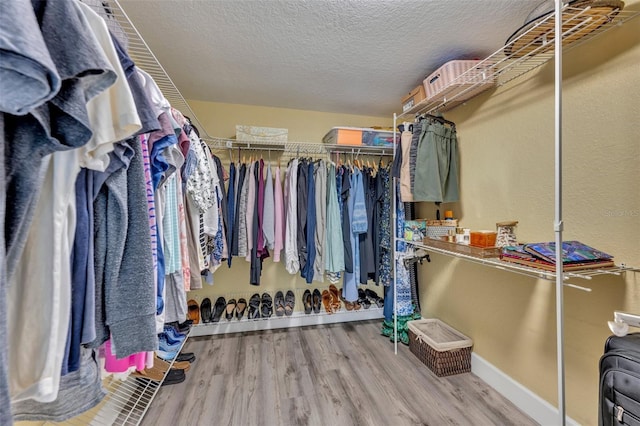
506	234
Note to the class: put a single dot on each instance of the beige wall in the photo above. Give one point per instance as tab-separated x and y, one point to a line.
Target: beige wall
219	120
507	166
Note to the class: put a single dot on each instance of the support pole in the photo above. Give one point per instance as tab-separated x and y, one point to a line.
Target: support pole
558	226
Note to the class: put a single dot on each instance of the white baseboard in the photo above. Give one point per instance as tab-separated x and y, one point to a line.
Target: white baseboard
534	406
298	319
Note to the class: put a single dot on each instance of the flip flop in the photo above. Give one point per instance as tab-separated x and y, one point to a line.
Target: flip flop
205	310
306	299
240	308
289	303
218	309
231	307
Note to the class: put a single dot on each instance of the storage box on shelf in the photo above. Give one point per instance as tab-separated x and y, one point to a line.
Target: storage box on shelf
414	97
359	136
261	134
459	81
440	347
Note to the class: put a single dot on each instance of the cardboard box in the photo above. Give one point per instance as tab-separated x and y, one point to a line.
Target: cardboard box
414	97
246	133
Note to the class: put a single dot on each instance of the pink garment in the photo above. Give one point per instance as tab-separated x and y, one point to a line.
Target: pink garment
251	203
278	202
115	365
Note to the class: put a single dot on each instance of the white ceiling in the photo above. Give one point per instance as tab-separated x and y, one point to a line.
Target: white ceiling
344	56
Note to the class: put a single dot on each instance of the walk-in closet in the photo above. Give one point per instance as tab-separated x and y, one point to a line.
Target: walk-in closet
301	212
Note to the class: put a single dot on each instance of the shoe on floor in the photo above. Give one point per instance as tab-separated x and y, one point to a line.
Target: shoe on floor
266	305
218	309
174	376
186	356
317	301
254	307
278	302
193	311
205	310
240	308
289	303
230	309
307	302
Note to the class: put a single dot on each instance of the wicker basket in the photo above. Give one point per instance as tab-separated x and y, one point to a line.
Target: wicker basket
441	348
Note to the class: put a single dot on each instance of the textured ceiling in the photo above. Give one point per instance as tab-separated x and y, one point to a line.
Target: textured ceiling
345	56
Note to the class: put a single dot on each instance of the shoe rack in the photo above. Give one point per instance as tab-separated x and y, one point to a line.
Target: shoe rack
297	319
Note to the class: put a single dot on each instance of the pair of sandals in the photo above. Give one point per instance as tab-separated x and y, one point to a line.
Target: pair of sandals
364	300
312	301
235	309
212	314
331	299
260	307
284	304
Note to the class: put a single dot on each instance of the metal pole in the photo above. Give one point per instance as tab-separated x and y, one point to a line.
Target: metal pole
558	226
393	239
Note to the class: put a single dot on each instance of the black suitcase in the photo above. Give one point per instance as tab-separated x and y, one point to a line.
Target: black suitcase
620	381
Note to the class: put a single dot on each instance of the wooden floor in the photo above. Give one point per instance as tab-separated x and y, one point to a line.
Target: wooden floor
339	374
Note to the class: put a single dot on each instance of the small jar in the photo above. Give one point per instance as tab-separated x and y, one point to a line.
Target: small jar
467	236
459	235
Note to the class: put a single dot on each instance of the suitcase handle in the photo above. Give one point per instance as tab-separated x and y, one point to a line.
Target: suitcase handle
437	76
621	322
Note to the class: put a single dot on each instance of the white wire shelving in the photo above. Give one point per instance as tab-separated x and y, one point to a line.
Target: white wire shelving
497	263
523	54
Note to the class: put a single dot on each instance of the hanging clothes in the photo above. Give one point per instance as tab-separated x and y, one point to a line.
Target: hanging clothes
437	156
358	220
268	214
231	211
292	262
310	226
279	216
302	194
239	182
334	253
321	220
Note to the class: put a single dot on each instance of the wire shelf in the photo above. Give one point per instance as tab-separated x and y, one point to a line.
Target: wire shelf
496	263
295	148
139	51
530	50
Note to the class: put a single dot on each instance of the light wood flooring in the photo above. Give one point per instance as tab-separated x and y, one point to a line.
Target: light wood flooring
335	375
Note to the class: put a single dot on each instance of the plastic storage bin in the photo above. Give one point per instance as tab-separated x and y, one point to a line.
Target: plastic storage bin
455	79
359	136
